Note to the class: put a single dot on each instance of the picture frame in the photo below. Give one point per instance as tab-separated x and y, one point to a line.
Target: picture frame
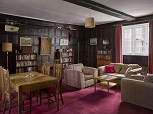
93	41
64	42
45	45
105	42
25	41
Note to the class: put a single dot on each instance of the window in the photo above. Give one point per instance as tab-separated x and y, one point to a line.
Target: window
135	39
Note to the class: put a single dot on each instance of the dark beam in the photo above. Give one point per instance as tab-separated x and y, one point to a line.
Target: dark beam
102	8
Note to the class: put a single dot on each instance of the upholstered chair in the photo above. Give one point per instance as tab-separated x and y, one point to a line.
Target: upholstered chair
80	76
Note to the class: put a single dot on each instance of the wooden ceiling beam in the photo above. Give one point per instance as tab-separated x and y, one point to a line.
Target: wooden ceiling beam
102	8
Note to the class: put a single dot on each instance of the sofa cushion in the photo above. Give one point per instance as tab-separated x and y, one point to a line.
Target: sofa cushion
133	66
127	70
88	77
117	66
148	78
123	69
120	76
109	69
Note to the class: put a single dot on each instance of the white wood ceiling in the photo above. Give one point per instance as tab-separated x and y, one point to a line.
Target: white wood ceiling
64	12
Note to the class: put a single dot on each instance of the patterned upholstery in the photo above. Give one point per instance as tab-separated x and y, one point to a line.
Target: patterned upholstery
137	92
79	79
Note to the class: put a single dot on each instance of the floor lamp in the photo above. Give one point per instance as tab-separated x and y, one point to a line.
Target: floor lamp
7	47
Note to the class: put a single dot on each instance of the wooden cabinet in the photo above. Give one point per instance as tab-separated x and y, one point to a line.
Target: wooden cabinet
104	57
66	57
25	61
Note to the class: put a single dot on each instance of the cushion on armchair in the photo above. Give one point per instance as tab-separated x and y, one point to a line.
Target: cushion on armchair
78	68
123	69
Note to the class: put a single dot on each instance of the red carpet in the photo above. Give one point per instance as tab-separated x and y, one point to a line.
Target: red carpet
86	101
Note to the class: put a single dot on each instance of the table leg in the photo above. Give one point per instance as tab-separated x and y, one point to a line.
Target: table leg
19	103
57	97
95	84
108	86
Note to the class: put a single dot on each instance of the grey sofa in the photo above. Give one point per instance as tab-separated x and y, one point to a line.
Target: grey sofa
79	79
137	92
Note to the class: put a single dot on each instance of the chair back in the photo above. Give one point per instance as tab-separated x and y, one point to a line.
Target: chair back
46	68
58	71
57	61
7	91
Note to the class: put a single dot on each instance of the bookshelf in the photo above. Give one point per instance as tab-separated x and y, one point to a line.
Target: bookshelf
104	57
66	57
26	60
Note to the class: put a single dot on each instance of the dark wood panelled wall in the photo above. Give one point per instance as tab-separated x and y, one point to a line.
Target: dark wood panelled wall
80	41
34	29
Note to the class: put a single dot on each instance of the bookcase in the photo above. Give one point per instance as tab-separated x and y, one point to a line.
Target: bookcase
25	61
66	57
104	57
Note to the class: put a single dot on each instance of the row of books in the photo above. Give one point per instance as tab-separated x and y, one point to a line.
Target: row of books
65	54
26	57
103	52
26	63
20	70
104	57
69	59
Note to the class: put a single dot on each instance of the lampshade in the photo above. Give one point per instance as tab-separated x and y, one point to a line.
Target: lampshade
6	47
89	22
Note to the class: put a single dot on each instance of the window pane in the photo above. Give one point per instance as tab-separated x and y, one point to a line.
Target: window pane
127	41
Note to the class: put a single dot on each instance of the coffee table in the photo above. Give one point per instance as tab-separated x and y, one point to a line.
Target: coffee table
105	81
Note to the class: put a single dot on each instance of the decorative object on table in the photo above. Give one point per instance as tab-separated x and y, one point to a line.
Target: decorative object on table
45	46
7	47
105	42
25	41
93	41
89	22
29	75
64	42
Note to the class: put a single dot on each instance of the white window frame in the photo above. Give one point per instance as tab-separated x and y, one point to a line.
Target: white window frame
146	39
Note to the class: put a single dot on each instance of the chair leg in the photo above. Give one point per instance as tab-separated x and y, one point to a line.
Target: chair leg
61	97
10	107
4	106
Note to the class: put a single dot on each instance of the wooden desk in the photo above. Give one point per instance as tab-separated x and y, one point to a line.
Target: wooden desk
20	83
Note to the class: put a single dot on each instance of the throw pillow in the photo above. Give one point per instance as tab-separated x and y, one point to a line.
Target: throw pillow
148	78
78	68
123	69
109	69
117	66
127	70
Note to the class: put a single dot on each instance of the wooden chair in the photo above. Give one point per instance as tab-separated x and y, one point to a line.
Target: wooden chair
46	68
1	87
57	72
11	97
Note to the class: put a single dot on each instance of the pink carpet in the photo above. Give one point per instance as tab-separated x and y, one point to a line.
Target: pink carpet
86	101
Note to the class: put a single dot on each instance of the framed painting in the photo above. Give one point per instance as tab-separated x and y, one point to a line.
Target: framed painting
105	42
45	46
64	42
25	41
93	41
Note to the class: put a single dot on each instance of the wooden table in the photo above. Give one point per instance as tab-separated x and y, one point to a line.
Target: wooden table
106	81
20	83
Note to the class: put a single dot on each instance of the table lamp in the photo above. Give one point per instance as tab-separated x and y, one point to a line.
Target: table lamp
7	47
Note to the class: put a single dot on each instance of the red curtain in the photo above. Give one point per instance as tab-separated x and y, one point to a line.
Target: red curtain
150	62
118	44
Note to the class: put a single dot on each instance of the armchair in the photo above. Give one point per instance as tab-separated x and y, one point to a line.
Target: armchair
80	78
